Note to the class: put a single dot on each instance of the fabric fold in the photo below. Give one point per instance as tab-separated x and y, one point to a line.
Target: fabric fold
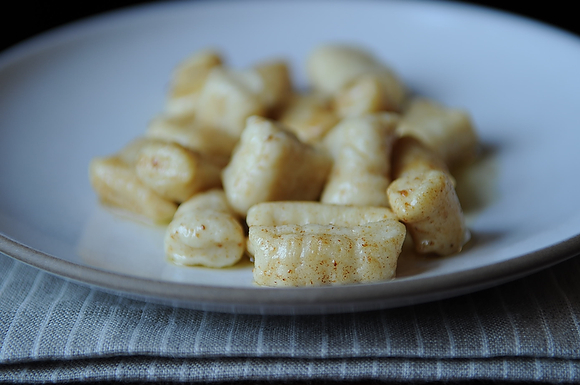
174	370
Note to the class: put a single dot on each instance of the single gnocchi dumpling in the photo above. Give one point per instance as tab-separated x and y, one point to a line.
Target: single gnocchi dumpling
309	117
427	203
303	213
276	84
228	98
189	133
411	156
364	95
115	181
188	80
205	232
361	149
271	164
448	132
175	172
333	67
352	248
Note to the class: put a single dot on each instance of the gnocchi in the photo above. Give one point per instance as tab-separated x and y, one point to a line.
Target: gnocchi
115	180
291	243
361	150
448	132
175	172
205	231
330	181
271	164
312	254
428	204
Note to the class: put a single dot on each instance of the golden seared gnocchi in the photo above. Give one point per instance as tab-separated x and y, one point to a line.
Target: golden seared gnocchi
330	180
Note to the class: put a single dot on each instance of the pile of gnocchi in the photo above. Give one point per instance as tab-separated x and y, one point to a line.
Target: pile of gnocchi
319	187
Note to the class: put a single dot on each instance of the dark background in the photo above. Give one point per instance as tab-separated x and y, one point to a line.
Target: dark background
22	19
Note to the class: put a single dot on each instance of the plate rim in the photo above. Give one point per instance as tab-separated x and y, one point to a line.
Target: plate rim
297	300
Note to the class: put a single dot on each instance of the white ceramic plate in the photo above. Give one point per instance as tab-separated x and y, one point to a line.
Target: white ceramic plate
88	89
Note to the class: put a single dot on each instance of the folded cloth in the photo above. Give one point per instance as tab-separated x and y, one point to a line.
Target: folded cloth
57	331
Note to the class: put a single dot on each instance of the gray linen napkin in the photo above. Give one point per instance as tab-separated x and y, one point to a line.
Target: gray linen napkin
57	331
